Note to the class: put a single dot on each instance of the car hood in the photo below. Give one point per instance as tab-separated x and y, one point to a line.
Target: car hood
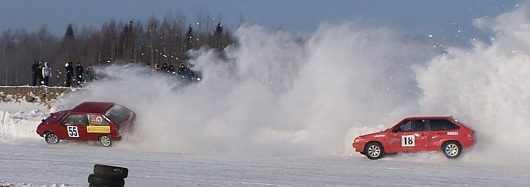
382	133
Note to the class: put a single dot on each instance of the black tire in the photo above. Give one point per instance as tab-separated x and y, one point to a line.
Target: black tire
374	150
51	138
105	141
98	180
452	149
111	171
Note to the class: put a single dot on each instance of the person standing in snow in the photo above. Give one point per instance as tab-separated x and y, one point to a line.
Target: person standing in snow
90	73
39	69
171	69
36	72
69	74
79	73
46	73
164	68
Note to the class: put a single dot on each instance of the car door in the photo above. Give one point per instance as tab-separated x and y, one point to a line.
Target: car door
442	130
75	126
98	124
408	136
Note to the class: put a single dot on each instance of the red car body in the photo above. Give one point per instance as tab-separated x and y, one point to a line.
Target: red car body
418	134
88	121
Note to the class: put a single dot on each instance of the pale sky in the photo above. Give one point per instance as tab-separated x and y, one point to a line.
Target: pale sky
443	19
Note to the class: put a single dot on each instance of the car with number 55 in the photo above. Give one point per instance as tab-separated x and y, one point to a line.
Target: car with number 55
89	121
414	134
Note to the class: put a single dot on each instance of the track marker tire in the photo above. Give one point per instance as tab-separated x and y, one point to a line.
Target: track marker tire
111	171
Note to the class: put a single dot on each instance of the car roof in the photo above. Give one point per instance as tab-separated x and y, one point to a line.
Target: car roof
427	117
93	107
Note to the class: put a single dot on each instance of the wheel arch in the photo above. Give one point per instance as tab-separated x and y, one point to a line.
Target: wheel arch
374	141
447	141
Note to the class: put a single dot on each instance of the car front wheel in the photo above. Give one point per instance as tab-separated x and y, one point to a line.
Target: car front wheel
105	141
452	149
374	150
51	138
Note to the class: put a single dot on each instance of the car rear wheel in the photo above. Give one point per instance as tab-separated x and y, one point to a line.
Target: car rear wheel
105	141
452	149
374	150
51	138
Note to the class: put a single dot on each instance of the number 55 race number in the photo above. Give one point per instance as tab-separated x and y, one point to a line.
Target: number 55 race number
72	131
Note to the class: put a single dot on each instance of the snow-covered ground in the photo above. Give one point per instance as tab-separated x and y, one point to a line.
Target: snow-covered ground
26	160
34	163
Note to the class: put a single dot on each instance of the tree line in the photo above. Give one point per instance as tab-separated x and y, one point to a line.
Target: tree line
153	42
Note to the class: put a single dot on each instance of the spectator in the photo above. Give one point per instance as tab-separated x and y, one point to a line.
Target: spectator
90	73
171	69
182	69
164	68
34	70
39	69
69	74
46	73
79	70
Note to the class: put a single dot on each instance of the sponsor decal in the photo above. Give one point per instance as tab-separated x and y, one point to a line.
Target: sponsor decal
98	129
379	135
452	133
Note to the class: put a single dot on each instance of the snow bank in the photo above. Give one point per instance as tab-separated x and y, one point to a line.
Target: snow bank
20	120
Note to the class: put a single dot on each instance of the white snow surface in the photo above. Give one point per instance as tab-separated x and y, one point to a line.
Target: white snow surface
26	160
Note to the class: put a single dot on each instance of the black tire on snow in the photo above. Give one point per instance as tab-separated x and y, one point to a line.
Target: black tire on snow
111	171
374	150
49	138
95	180
452	149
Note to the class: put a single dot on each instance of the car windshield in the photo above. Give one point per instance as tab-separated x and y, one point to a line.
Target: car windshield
118	113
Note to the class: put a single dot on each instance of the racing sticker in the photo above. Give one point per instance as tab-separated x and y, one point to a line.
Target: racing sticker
407	141
98	129
72	131
452	133
98	120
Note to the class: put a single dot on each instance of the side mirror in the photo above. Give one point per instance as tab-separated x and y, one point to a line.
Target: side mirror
395	130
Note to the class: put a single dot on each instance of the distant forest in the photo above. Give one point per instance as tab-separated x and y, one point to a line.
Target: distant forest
154	42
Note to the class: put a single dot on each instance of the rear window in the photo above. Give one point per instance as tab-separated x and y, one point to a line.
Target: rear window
442	124
118	113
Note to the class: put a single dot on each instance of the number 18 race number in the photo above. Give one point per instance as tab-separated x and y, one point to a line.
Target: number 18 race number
407	141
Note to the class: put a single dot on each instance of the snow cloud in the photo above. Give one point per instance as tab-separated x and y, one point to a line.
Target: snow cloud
273	94
280	94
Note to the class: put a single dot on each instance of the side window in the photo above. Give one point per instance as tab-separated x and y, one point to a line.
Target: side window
97	120
442	124
76	119
412	126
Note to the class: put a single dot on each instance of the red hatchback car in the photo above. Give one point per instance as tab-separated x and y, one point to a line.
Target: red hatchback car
416	134
88	121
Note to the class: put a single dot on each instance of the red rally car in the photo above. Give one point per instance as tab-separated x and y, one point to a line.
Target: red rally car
88	121
418	134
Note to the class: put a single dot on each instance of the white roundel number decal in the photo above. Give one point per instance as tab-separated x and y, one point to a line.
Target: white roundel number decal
407	141
72	131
